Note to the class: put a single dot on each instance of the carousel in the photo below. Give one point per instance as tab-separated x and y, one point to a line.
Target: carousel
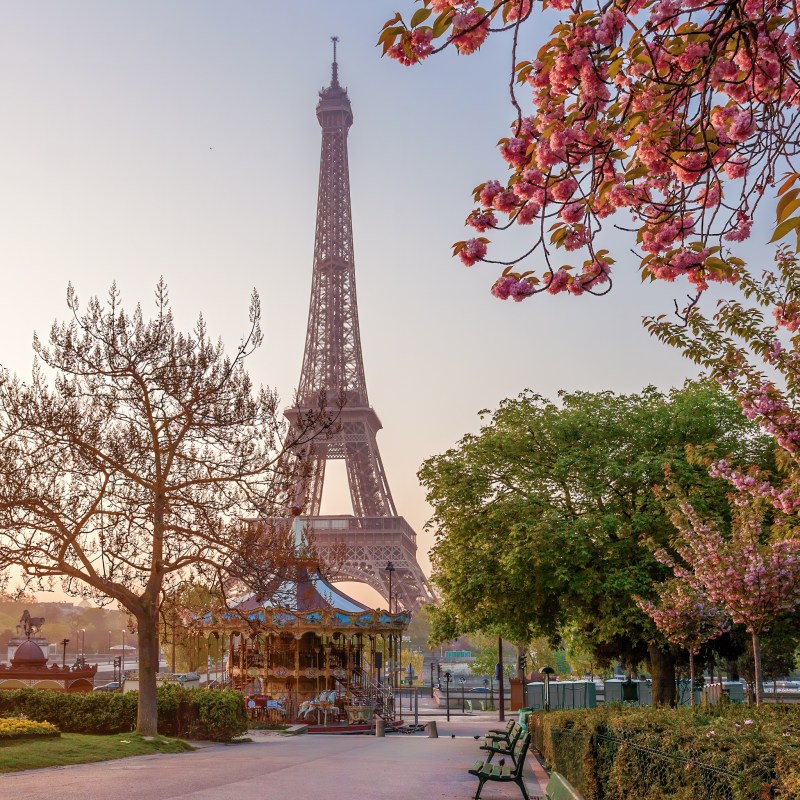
311	655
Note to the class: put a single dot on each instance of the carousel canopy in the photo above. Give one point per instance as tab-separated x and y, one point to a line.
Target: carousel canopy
310	592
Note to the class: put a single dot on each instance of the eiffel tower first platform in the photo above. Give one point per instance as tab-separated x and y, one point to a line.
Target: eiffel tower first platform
357	547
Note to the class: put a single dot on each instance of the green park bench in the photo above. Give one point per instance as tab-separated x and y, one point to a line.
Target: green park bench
486	771
498	740
501	746
504	734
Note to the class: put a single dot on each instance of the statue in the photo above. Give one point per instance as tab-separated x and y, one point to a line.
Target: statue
28	625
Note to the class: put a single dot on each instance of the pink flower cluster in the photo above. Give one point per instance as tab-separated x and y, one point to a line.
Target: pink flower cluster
470	29
473	250
753	484
654	110
753	578
767	406
510	286
684	616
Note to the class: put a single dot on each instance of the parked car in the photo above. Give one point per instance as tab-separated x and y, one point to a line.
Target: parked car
113	686
481	689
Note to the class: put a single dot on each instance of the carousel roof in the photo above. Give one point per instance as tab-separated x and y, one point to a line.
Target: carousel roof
305	599
310	592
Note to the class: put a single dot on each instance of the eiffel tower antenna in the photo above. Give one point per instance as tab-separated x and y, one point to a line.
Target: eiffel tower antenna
332	374
334	66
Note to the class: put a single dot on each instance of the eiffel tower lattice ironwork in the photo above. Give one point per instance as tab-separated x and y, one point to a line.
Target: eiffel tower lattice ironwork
333	375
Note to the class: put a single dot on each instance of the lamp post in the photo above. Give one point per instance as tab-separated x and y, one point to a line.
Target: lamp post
547	671
390	569
174	622
431	678
83	646
447	678
64	643
498	676
122	662
109	645
463	699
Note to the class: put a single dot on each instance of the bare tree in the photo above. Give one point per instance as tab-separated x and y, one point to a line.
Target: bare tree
138	463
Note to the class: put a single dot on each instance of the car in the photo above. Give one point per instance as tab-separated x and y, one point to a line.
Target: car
481	689
113	686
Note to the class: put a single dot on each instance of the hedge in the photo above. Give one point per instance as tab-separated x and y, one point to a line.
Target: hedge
627	753
218	715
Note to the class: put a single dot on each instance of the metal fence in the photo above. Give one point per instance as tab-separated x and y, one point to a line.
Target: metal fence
603	767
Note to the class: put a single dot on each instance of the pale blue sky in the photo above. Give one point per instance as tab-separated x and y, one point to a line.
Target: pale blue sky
178	138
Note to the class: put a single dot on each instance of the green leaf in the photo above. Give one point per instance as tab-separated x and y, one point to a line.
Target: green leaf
787	184
780	212
420	15
784	228
442	23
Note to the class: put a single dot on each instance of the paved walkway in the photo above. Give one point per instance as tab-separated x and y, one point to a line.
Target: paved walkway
277	767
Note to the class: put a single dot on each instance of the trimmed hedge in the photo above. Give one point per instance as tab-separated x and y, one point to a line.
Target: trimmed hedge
187	713
627	753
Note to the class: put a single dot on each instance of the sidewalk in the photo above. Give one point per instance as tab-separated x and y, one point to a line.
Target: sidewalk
277	767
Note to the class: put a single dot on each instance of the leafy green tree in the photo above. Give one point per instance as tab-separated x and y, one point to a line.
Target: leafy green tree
550	515
485	661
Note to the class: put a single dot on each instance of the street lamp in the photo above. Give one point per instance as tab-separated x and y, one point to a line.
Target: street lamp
83	646
122	663
547	672
64	643
447	679
109	645
390	569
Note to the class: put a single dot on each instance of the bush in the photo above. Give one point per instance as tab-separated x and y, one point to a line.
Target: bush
625	753
218	715
196	713
84	712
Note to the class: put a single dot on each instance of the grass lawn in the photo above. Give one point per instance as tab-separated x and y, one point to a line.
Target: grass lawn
76	748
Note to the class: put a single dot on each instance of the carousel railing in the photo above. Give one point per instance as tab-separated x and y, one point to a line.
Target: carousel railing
363	691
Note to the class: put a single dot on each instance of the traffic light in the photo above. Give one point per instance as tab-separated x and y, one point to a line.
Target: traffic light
522	663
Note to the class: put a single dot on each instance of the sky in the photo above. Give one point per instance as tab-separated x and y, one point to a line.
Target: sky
178	138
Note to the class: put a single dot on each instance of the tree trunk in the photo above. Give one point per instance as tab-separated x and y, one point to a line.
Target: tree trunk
691	678
759	688
662	671
147	719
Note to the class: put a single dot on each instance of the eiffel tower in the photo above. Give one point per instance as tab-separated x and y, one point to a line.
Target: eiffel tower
362	545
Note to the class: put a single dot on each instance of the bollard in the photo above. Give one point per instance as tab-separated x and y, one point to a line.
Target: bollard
380	726
433	732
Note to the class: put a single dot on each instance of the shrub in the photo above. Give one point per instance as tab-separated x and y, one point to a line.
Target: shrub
635	753
218	715
196	713
84	712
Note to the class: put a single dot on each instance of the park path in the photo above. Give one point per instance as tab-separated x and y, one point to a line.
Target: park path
277	767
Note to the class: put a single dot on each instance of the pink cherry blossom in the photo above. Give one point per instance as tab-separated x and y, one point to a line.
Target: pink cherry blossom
661	109
472	251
